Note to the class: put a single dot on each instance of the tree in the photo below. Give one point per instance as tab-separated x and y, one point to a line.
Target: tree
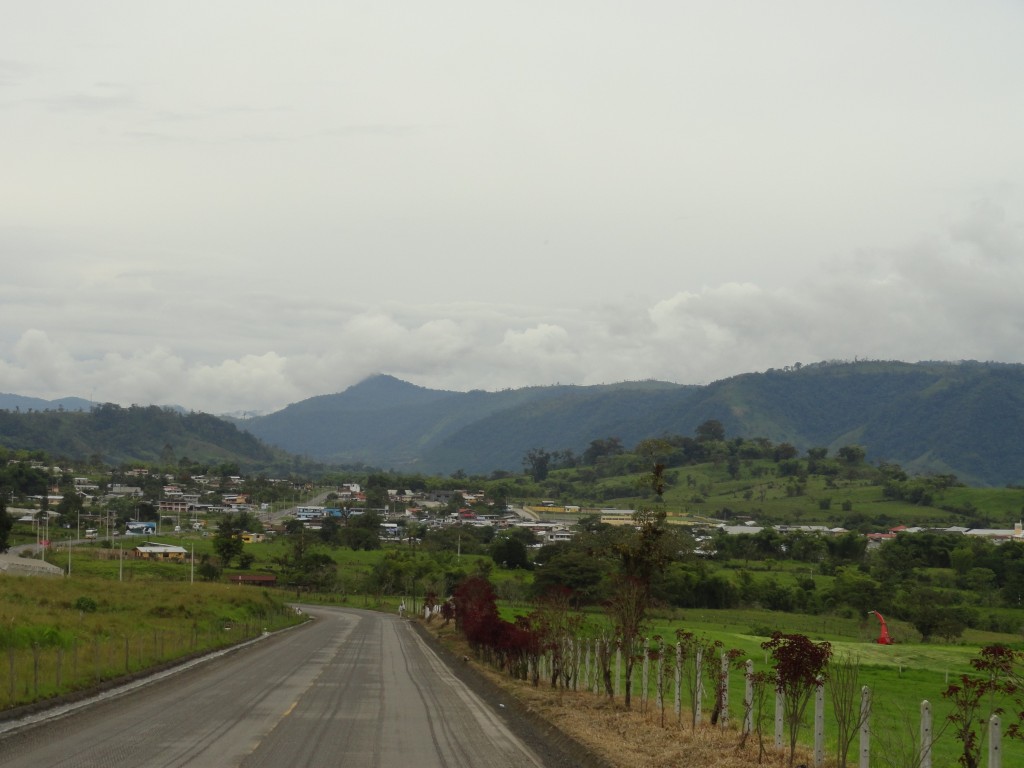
362	532
555	627
799	665
858	590
509	552
976	697
208	570
70	506
227	542
572	569
627	609
537	462
654	450
784	452
307	569
844	692
695	652
330	531
599	449
641	553
6	523
851	454
931	614
711	430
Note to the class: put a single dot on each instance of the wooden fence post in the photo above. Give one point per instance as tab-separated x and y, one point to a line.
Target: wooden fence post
586	668
779	719
748	698
679	681
645	668
819	724
698	695
618	665
661	682
579	664
925	758
865	727
723	693
995	746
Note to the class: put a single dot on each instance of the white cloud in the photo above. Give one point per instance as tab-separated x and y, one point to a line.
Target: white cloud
240	207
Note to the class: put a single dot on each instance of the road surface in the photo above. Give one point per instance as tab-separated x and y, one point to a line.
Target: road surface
351	688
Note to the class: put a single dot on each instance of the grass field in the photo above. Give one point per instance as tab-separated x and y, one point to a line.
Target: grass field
899	676
62	635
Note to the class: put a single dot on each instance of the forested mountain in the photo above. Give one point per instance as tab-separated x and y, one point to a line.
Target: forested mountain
961	418
964	418
157	436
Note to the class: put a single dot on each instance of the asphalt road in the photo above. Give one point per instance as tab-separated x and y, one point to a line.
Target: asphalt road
351	688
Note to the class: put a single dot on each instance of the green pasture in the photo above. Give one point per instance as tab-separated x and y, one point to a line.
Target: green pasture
708	491
899	676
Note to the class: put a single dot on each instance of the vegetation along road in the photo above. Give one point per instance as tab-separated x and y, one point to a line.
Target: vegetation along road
352	686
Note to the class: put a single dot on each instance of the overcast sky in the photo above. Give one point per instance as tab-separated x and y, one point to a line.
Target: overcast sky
232	205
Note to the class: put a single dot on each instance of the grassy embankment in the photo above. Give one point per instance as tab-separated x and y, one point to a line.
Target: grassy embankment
58	636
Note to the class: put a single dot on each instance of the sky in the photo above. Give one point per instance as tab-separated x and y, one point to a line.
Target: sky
234	205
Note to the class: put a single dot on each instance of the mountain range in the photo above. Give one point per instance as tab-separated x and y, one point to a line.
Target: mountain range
964	418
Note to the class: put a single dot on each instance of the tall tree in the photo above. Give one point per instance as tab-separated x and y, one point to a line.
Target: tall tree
6	522
641	552
537	462
711	429
227	542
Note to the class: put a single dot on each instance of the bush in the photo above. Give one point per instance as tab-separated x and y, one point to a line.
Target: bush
85	605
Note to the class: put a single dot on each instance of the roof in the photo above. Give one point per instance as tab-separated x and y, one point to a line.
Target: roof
253	578
28	566
738	530
147	547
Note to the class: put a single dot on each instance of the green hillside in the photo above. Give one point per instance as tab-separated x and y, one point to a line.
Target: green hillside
151	435
963	418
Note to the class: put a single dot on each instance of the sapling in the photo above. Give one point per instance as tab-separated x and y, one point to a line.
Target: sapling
799	664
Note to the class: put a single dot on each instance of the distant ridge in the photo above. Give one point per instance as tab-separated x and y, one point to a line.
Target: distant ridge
137	434
22	403
965	418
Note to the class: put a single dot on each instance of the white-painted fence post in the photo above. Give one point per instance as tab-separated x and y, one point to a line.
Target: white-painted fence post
779	719
748	698
723	691
925	759
995	746
819	724
865	727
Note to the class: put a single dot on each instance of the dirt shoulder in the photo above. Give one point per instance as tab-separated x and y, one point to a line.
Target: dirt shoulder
570	728
555	747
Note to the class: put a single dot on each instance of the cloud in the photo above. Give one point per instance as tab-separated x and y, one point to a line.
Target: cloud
246	207
951	296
